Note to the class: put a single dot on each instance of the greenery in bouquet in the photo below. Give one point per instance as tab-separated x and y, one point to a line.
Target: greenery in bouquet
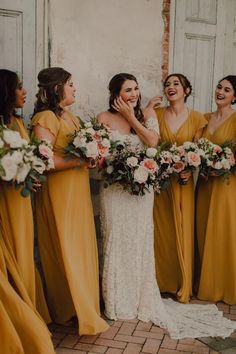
216	160
91	142
23	163
134	169
185	157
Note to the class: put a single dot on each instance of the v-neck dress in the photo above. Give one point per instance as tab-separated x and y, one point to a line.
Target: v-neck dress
66	235
174	218
216	226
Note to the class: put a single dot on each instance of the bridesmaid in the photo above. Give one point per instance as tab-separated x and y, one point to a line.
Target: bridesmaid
64	215
22	331
216	205
174	207
16	218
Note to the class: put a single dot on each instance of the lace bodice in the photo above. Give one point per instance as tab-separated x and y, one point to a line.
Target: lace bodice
133	139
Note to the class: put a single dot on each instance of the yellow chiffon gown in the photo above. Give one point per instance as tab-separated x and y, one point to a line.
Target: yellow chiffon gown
22	331
174	218
17	229
66	236
216	227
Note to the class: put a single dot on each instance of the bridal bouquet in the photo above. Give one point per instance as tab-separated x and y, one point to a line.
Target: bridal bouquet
134	169
92	141
185	157
216	160
23	163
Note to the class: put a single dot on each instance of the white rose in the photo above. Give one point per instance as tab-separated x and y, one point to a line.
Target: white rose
1	143
17	156
88	124
188	145
110	169
9	166
92	150
225	164
132	161
39	165
13	138
141	175
218	165
151	152
106	143
79	141
90	131
50	164
176	158
22	172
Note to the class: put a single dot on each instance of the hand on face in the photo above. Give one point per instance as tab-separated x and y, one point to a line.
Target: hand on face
124	108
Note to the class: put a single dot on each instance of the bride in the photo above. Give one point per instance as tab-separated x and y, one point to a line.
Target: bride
129	282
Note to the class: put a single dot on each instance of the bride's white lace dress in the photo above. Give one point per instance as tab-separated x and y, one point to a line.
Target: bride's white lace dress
129	282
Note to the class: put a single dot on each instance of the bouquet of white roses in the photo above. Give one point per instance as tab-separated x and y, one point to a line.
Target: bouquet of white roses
185	157
92	141
134	169
216	160
23	163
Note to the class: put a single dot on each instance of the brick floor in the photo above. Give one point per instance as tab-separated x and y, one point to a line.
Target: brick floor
133	337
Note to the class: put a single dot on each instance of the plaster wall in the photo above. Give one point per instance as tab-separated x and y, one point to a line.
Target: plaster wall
95	39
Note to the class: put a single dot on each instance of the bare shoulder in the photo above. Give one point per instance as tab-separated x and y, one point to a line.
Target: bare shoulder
103	117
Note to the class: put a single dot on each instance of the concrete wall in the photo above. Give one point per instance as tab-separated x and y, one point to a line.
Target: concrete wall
95	39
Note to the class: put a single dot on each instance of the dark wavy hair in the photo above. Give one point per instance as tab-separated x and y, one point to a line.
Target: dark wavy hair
184	82
8	85
51	83
114	88
232	81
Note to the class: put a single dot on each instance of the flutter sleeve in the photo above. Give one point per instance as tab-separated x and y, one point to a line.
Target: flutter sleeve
47	120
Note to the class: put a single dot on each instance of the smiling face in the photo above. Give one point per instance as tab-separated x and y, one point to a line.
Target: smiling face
20	95
130	92
174	89
69	94
224	93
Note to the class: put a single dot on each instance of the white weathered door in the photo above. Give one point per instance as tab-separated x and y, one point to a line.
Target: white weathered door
22	42
203	45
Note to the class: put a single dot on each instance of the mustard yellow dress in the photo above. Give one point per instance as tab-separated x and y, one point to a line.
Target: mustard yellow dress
66	236
17	229
174	218
22	331
216	227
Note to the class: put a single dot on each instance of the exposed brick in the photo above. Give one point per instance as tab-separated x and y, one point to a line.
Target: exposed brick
88	339
117	324
110	333
169	343
91	347
144	326
193	348
133	348
127	328
130	339
111	343
114	351
151	346
69	341
156	329
145	334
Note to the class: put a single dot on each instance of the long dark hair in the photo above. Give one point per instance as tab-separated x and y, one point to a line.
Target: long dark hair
232	80
8	85
51	89
114	88
184	82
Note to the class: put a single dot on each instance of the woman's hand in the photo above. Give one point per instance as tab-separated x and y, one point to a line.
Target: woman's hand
125	109
154	102
185	175
36	185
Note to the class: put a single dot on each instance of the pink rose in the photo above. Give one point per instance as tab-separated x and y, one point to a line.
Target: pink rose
150	165
193	159
103	150
179	166
45	151
217	149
